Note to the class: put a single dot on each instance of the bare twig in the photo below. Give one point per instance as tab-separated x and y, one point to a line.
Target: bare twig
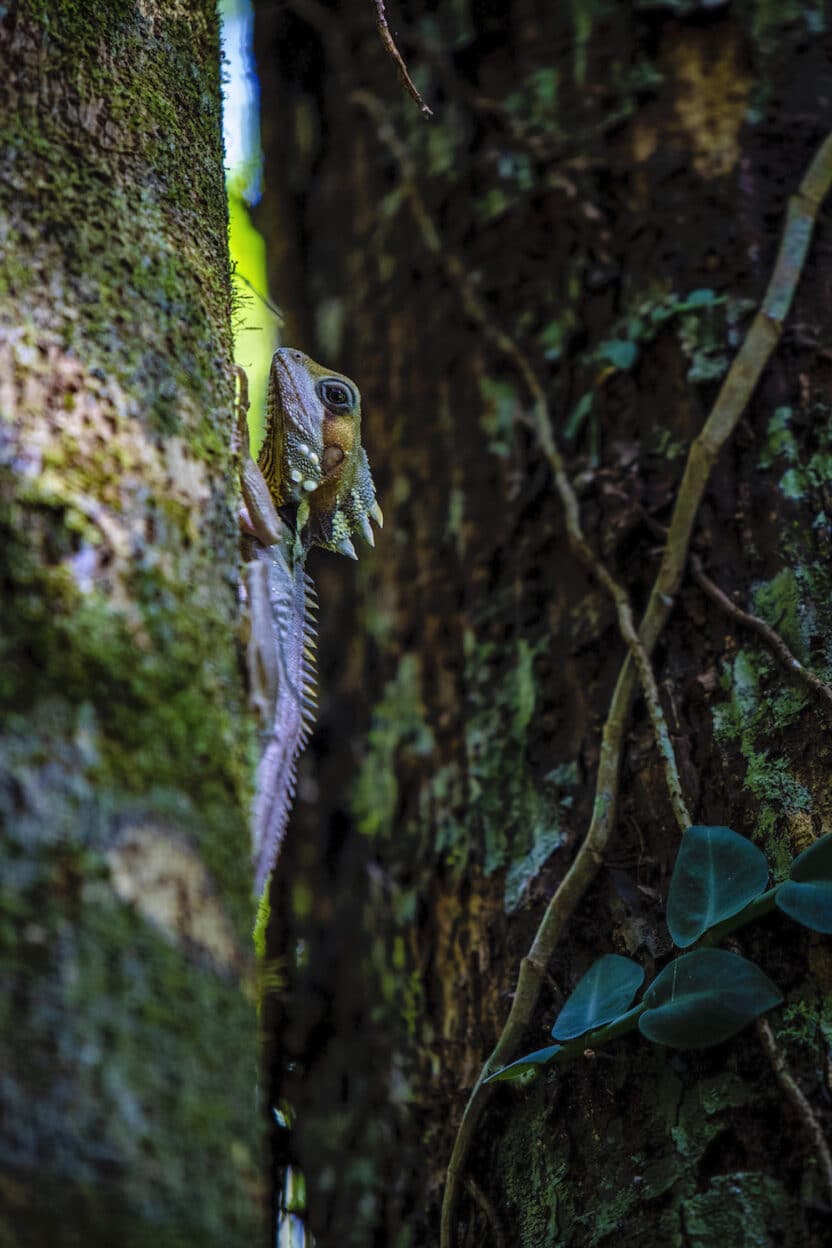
390	44
731	401
768	634
798	1100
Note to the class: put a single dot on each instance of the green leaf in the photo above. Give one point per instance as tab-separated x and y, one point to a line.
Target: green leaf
705	997
619	352
578	415
809	904
603	994
815	863
523	1065
807	895
702	298
717	873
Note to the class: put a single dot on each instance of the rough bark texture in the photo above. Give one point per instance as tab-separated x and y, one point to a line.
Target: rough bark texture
127	1024
592	166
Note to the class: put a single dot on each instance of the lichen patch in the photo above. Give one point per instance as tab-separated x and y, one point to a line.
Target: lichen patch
78	440
154	869
712	88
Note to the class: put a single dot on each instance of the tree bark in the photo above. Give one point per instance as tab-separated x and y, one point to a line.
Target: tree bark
128	1034
607	186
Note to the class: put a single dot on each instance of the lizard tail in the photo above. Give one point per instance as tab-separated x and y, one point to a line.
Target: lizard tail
293	608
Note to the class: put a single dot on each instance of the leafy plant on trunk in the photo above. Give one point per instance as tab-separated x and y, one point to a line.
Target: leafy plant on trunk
706	996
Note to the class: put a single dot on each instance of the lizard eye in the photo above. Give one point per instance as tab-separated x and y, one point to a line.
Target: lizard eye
337	395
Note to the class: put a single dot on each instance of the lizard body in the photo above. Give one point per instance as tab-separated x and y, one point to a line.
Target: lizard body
311	486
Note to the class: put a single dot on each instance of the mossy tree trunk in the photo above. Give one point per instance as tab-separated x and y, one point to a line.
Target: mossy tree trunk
612	180
128	1036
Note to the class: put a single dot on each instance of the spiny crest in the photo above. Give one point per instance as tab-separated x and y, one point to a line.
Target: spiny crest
291	602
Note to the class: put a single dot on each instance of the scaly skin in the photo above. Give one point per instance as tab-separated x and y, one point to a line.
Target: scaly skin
312	453
311	487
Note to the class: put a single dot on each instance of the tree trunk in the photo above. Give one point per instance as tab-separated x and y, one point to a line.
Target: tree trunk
606	187
128	1036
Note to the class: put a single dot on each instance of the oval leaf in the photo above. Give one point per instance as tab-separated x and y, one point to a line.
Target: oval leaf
619	352
699	299
601	995
716	875
809	904
516	1070
815	863
807	895
705	997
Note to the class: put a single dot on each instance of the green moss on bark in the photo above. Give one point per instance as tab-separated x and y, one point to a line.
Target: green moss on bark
646	1195
127	1021
119	210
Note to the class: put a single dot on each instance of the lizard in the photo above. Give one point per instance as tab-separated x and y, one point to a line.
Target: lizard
310	486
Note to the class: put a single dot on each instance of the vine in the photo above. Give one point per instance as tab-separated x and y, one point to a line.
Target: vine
773	639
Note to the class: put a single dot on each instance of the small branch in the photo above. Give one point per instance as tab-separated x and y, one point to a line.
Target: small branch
390	44
799	1102
778	645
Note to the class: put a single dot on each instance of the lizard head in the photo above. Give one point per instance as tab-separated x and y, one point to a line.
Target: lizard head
312	457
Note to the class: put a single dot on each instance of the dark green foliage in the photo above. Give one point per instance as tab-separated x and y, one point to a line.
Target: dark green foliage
619	352
717	873
601	995
807	894
705	997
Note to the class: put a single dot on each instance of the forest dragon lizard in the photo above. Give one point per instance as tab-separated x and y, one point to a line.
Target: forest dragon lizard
311	486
